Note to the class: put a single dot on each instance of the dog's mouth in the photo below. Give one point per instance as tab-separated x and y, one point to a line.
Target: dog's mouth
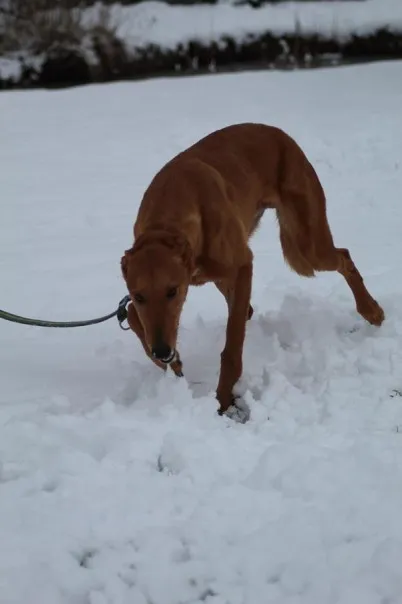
170	358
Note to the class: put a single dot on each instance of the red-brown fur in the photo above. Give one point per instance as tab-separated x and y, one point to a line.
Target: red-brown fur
194	226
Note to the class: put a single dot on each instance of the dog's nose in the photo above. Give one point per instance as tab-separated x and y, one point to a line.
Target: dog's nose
162	352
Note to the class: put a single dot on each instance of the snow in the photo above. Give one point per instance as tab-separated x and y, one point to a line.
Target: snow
119	485
167	25
10	68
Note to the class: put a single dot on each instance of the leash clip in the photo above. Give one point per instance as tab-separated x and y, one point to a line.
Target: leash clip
122	312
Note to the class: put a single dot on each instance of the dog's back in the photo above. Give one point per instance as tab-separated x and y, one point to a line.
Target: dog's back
234	174
246	157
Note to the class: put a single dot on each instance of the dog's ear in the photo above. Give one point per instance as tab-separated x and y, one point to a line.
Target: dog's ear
183	247
173	240
124	263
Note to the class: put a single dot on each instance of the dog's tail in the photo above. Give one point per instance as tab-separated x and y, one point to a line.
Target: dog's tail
300	209
292	253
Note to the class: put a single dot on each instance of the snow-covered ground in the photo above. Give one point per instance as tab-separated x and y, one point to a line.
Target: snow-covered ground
119	485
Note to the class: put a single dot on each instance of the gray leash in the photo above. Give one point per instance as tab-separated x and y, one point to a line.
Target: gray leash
120	313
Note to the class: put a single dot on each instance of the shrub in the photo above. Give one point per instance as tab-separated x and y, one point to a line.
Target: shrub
71	51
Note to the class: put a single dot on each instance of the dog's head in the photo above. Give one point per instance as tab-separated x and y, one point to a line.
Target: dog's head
157	271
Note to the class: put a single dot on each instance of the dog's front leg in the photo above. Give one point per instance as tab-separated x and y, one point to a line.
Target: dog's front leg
232	354
177	366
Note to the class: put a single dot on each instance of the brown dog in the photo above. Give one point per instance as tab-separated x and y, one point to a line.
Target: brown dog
194	225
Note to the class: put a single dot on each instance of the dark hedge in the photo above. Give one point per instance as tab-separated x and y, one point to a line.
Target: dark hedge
67	66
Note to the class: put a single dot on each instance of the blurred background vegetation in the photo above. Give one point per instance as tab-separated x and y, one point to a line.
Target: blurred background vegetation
54	43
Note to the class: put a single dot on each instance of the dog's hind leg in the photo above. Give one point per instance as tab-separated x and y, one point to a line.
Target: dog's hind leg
339	259
308	246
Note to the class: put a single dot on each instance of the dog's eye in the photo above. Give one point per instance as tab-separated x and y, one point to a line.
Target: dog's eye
171	292
139	298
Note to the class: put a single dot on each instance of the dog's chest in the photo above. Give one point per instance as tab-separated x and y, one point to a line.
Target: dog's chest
199	277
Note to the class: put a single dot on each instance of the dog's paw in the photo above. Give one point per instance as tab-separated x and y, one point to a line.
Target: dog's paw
176	365
373	313
177	368
238	411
